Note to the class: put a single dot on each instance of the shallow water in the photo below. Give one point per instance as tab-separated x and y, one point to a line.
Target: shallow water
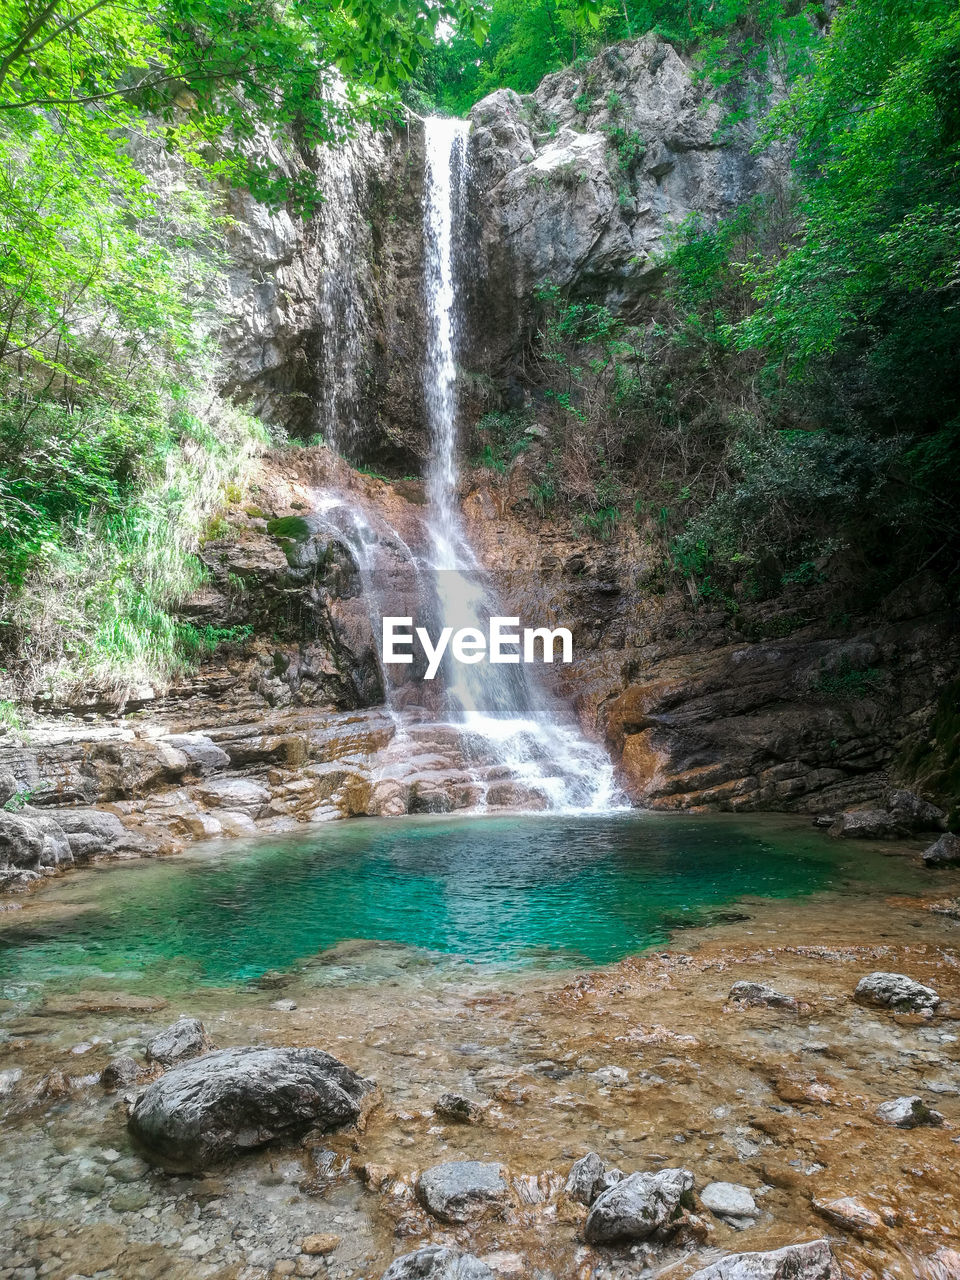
508	892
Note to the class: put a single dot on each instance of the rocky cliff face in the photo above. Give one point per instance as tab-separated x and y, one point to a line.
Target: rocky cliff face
778	707
580	183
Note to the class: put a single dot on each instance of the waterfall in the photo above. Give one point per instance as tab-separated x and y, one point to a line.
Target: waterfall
503	713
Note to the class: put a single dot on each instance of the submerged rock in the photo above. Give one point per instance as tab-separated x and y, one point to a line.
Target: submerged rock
757	993
811	1261
850	1214
238	1099
462	1190
729	1200
186	1038
908	1113
438	1263
896	991
318	1246
120	1073
459	1110
640	1205
944	852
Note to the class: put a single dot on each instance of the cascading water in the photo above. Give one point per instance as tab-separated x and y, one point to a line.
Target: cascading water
504	714
480	736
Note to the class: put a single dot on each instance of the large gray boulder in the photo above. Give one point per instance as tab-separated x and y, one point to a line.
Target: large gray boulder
437	1262
21	842
30	840
638	1207
811	1261
234	793
57	850
186	1038
462	1190
91	832
913	813
238	1099
896	991
944	852
583	180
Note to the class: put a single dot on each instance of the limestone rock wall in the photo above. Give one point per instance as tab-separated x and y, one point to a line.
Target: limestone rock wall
781	707
580	183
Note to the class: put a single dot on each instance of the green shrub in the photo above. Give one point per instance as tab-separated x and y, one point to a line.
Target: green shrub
500	437
290	528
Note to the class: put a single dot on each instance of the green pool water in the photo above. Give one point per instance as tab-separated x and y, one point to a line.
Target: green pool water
506	891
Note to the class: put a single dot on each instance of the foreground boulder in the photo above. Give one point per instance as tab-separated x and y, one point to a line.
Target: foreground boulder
639	1206
237	1099
944	852
908	1113
813	1261
438	1263
462	1190
185	1039
896	991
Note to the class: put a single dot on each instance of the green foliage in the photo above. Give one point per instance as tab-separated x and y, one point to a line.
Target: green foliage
224	71
102	517
499	438
114	466
628	145
292	528
543	491
200	642
848	682
871	284
795	500
10	721
743	45
601	523
19	799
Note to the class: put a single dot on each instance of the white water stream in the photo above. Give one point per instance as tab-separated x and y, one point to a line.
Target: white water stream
481	735
500	707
